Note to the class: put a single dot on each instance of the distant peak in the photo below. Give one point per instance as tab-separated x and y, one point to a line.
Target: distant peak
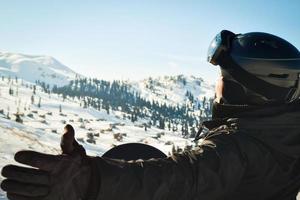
35	67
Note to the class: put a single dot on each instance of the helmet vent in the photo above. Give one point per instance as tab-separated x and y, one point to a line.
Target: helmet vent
279	75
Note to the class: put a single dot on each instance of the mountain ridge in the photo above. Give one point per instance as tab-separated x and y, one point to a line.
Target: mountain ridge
47	69
35	67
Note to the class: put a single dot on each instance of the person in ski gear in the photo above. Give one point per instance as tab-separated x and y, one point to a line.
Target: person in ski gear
249	150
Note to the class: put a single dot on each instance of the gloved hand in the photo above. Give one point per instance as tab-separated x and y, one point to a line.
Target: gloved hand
54	177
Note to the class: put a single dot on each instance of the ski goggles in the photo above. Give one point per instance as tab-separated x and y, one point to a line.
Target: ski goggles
219	45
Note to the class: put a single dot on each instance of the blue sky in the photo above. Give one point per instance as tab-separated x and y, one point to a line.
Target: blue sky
136	39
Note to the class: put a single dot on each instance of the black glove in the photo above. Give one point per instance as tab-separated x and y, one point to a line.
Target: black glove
54	177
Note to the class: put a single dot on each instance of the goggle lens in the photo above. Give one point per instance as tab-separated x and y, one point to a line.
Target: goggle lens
219	43
213	47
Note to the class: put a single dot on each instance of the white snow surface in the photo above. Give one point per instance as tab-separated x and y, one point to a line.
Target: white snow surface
42	130
32	68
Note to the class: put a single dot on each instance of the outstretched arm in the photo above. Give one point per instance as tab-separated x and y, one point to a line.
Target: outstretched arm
209	173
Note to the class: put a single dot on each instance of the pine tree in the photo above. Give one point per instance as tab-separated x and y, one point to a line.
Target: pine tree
107	108
18	118
186	129
34	89
11	91
84	103
39	104
7	115
193	132
161	123
32	99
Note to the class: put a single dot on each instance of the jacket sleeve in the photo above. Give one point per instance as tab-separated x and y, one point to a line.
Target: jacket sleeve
211	172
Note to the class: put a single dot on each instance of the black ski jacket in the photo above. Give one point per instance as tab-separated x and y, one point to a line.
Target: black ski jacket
252	157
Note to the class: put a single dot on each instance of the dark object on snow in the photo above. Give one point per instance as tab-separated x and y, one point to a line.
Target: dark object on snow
18	118
30	115
42	116
91	140
53	131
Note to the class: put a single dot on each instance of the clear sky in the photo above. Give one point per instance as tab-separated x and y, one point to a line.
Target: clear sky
135	39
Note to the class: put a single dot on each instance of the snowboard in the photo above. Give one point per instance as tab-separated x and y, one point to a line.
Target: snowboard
134	151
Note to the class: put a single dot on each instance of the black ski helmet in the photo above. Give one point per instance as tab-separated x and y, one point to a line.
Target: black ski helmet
263	64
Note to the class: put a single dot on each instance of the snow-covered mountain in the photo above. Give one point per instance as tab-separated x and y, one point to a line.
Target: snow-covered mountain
166	89
173	89
32	68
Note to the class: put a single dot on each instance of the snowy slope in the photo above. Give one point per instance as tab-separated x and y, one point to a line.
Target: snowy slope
42	126
32	68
